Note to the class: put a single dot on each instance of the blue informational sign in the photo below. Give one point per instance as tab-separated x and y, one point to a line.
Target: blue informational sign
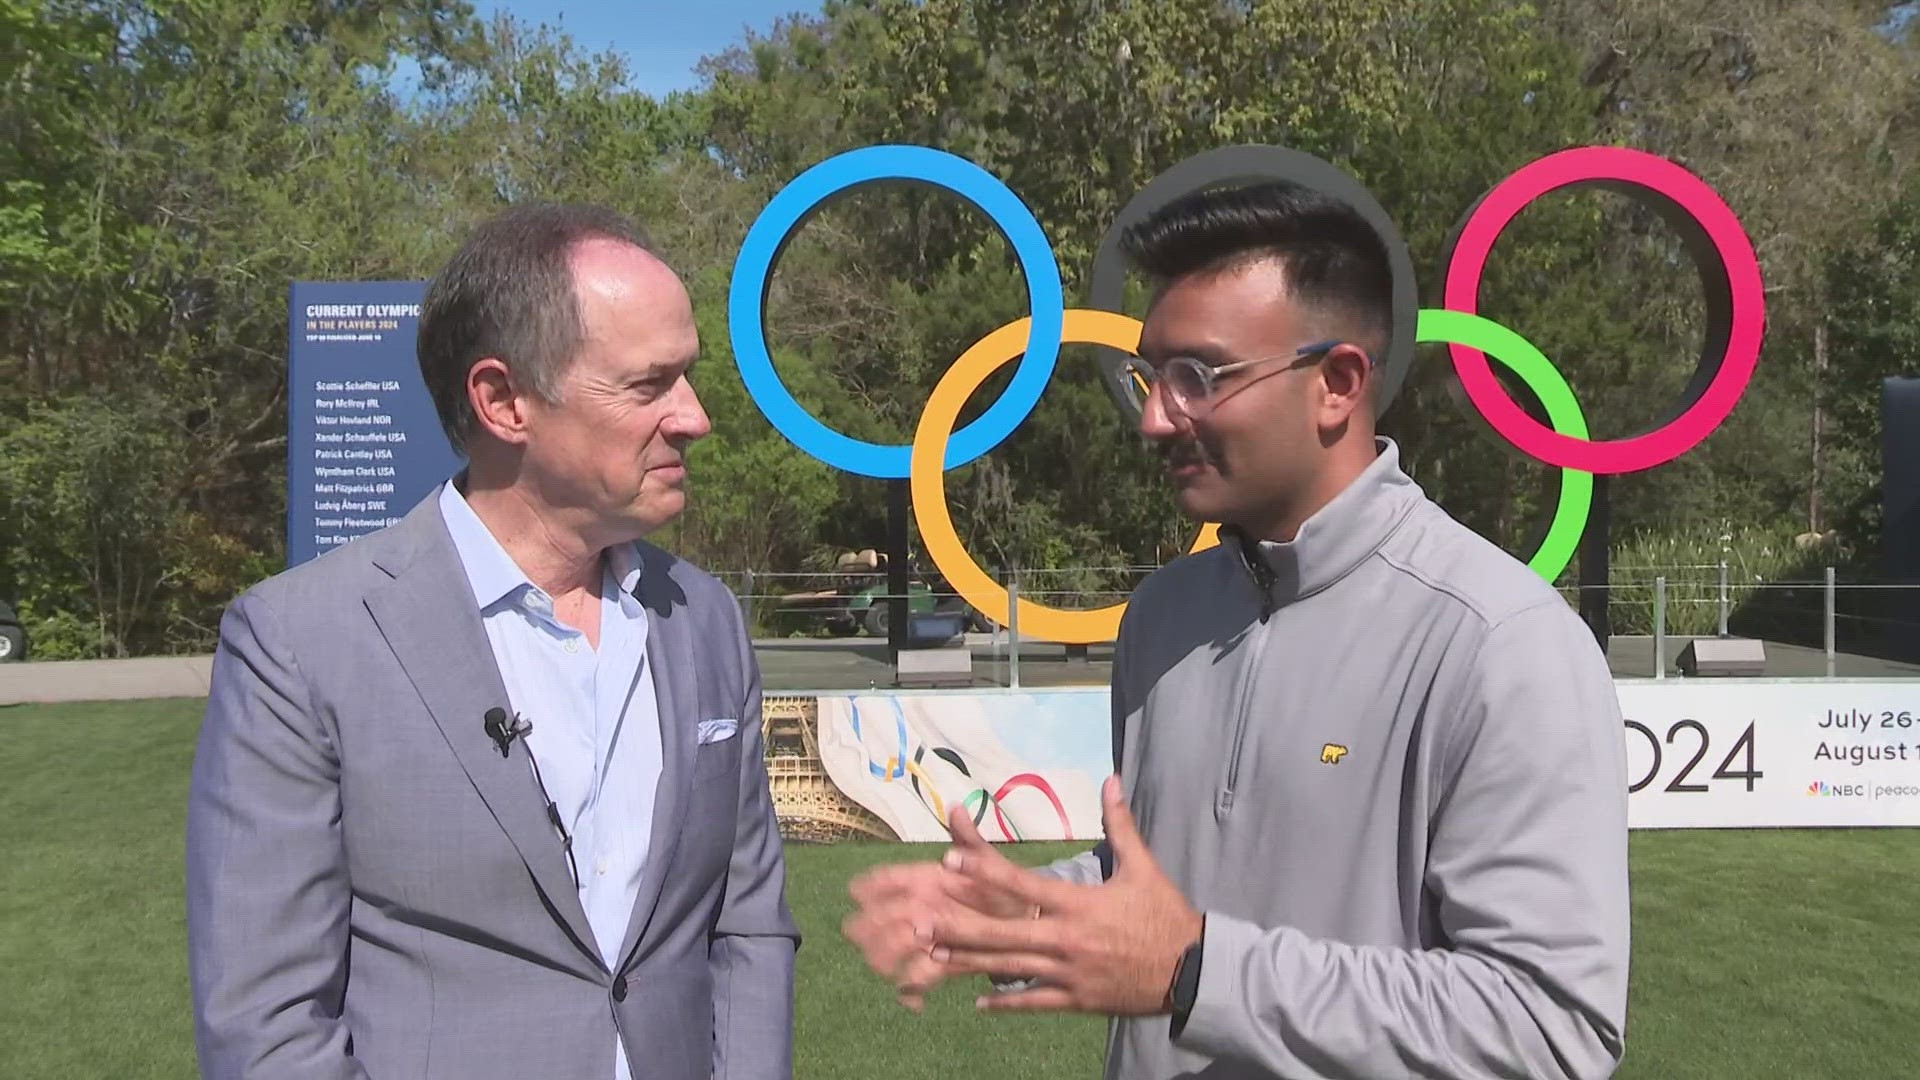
364	444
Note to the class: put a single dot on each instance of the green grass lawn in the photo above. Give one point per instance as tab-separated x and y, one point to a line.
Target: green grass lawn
1756	954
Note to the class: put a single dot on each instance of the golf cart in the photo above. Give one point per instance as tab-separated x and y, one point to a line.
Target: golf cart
13	636
858	602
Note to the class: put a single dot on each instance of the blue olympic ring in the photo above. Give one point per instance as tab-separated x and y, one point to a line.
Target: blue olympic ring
799	200
898	767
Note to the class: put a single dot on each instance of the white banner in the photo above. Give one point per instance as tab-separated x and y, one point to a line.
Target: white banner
1732	754
1705	754
1027	766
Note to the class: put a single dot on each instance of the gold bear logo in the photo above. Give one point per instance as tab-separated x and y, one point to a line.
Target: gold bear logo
1331	754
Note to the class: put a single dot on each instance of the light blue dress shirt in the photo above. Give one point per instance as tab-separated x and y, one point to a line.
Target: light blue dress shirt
596	723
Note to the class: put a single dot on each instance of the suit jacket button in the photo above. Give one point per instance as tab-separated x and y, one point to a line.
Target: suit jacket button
619	988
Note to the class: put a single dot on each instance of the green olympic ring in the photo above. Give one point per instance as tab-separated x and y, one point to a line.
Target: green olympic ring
1563	412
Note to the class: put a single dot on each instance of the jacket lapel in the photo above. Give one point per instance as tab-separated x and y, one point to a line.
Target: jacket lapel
670	656
429	620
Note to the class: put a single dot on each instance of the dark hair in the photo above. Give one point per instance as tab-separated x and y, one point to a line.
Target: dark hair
509	293
1331	255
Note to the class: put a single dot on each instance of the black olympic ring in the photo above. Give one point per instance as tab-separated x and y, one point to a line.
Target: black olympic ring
1235	164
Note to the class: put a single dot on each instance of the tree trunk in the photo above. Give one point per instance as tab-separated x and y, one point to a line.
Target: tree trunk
1819	422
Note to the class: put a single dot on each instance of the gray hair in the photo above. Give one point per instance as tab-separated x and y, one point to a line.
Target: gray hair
509	293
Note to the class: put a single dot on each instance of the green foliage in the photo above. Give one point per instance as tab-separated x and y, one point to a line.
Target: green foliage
88	484
753	501
167	167
1756	559
1875	336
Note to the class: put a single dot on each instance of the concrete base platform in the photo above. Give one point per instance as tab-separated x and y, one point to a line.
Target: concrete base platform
1632	658
861	664
791	664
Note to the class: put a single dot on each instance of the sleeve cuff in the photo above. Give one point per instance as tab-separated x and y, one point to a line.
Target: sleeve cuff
1081	869
1220	1008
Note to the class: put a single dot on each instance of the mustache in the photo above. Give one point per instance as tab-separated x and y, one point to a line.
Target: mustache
1188	452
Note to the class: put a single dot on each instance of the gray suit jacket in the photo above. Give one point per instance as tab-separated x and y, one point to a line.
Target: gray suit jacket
373	891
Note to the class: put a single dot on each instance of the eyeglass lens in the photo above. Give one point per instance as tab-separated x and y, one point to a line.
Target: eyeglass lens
1185	381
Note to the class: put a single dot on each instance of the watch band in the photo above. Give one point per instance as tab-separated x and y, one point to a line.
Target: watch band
1186	982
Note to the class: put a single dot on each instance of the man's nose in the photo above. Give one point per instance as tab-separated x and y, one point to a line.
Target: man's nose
1156	420
689	418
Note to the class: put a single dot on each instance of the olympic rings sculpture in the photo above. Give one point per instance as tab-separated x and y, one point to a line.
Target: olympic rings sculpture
1722	252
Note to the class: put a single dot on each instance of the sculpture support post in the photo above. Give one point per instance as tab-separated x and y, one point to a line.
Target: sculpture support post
1595	598
899	505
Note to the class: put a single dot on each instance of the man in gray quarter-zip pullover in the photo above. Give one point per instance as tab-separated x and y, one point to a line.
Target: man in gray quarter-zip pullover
1374	813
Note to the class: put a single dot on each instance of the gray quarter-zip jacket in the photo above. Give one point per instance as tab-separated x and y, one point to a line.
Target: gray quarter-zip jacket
1396	786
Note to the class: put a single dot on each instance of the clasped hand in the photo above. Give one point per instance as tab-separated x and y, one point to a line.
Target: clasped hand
1110	949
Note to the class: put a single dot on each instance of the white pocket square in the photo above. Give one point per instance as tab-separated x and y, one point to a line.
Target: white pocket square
712	731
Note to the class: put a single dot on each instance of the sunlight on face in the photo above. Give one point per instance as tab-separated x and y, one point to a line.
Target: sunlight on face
615	444
1260	446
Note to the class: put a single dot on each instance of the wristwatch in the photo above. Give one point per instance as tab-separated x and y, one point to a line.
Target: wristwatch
1186	982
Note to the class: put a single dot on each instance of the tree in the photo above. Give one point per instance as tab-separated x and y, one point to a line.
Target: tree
1875	336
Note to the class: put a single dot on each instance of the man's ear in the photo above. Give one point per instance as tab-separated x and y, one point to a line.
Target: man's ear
495	397
1346	380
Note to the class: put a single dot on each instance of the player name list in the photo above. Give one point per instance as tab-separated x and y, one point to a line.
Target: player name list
356	444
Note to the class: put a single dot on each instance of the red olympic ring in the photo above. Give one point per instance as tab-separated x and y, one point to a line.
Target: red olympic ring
952	757
1743	318
1038	784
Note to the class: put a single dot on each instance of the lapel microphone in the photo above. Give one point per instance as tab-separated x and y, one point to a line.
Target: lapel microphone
502	732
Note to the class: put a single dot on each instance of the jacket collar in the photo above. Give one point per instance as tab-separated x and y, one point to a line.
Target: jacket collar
1336	539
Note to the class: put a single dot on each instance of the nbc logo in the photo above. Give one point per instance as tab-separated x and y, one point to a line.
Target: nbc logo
1822	789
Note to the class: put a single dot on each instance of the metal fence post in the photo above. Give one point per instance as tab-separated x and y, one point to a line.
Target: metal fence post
1013	629
746	605
994	640
1833	612
1723	598
1660	627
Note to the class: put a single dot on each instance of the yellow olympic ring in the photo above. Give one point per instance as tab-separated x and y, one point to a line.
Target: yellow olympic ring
913	769
928	483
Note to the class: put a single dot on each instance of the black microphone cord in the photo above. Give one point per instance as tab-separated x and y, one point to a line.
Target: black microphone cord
503	735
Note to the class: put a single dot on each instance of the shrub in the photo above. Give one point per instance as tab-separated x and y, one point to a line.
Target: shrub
1756	557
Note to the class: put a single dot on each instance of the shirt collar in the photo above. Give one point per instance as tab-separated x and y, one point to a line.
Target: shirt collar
1340	535
494	576
624	563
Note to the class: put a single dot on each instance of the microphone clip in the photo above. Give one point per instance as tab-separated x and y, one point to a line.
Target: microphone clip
503	730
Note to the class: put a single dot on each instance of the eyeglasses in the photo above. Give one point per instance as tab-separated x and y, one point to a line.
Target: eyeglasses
1193	386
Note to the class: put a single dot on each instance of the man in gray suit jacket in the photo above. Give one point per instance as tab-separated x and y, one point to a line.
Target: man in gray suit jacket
482	795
